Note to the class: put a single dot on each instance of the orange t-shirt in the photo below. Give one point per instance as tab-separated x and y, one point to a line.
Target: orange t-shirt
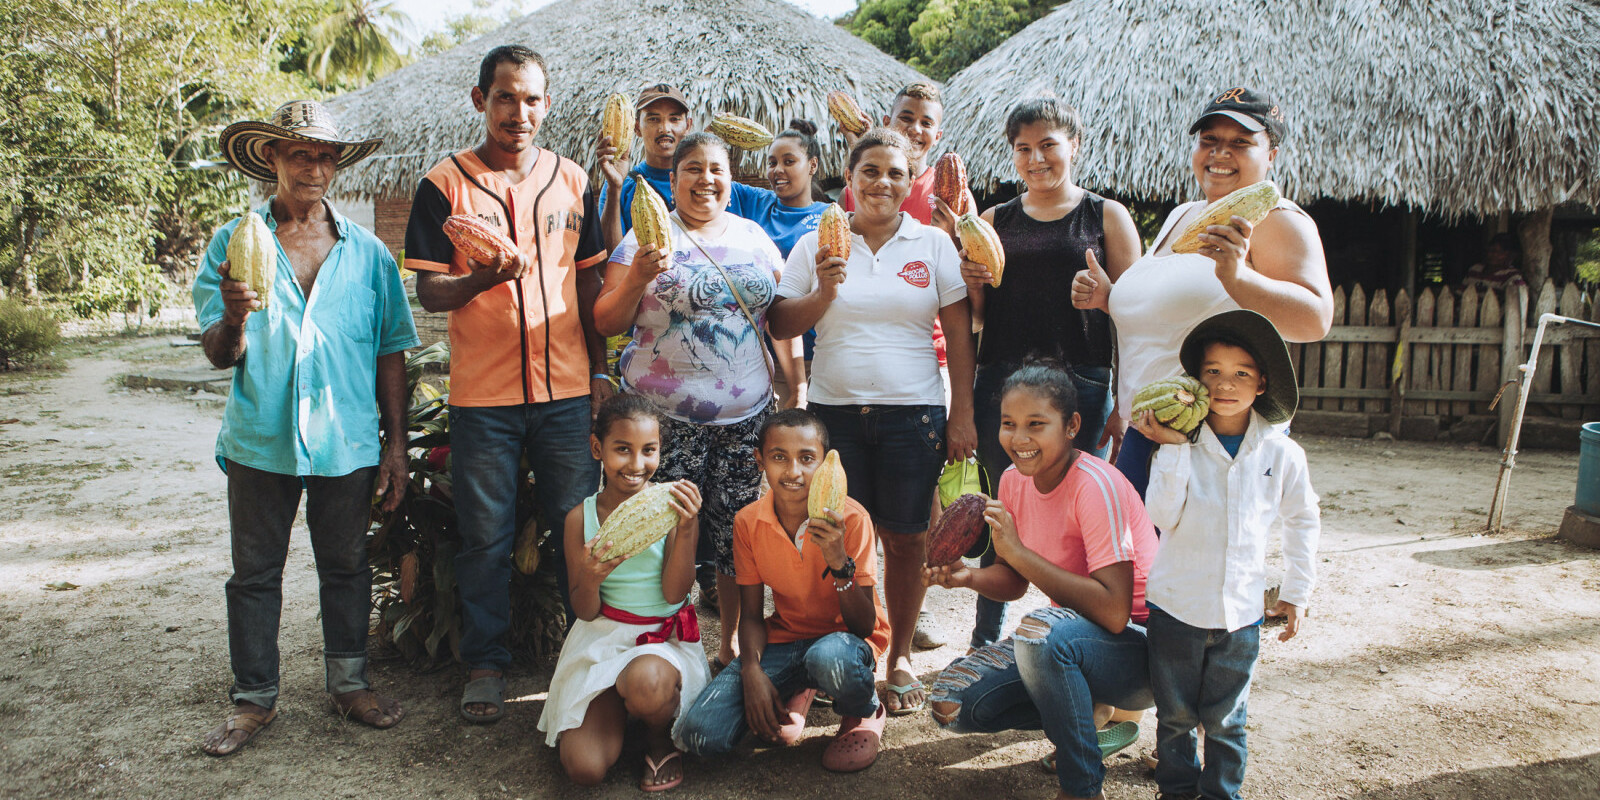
805	604
520	341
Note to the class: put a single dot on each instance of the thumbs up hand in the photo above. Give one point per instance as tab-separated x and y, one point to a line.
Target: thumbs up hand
1091	288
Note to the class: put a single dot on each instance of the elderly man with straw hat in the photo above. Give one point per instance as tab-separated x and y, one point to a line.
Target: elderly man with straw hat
318	366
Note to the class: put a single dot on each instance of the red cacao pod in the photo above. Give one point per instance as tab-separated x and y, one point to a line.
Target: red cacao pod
957	530
950	182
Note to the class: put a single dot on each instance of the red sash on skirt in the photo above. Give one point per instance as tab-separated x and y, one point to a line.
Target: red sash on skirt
684	623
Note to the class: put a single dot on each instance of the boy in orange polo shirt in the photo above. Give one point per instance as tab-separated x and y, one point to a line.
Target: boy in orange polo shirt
827	630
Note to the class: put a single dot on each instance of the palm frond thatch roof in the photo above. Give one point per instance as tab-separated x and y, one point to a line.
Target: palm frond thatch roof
1459	107
763	59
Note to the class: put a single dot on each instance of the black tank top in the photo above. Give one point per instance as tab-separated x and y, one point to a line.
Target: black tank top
1031	312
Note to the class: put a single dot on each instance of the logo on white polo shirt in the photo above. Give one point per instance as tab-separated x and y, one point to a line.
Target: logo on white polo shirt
916	274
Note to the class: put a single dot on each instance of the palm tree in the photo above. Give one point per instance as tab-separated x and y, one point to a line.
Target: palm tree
355	44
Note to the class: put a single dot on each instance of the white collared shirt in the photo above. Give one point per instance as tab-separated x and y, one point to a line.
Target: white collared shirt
1216	515
875	341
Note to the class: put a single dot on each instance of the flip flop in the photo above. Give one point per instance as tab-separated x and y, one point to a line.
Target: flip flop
901	691
490	690
249	722
654	768
856	746
1111	739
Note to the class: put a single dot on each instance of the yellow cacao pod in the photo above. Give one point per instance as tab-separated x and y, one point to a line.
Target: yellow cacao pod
833	230
1253	202
1179	403
982	244
479	241
253	256
639	521
617	122
651	223
828	487
950	182
847	112
526	554
741	132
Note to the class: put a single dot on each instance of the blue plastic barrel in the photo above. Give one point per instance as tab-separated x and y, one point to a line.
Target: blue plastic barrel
1589	469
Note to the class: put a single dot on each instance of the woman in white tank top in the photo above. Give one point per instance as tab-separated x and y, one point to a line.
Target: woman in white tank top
1275	268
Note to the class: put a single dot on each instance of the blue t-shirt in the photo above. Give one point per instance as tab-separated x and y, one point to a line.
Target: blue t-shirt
743	202
1230	443
785	224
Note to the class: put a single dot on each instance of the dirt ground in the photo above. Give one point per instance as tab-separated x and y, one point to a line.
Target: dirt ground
1437	663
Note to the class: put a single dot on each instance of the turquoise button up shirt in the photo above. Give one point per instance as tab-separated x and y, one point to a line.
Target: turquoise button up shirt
304	399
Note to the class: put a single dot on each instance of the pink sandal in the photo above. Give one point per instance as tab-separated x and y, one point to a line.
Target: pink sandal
856	746
654	768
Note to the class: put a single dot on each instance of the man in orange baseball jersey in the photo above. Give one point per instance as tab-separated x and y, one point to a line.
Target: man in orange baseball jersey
525	360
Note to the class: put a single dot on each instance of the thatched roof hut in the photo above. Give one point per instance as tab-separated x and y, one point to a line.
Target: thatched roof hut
1453	107
764	59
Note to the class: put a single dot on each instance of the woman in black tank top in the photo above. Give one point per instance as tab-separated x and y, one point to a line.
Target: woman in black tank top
1046	233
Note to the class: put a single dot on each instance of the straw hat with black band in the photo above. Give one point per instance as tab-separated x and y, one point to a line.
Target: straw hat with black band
244	143
1257	335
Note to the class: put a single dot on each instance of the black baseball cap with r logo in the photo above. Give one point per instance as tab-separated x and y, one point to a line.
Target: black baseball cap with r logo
1256	111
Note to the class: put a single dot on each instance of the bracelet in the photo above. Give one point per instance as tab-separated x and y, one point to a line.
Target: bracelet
600	376
848	585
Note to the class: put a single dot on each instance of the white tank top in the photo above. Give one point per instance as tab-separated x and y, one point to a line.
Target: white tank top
1155	304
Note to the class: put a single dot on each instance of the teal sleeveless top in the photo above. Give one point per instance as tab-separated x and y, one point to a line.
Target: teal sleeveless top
635	585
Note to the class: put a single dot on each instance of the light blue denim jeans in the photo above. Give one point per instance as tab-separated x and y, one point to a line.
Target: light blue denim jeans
839	664
486	451
1048	675
1201	677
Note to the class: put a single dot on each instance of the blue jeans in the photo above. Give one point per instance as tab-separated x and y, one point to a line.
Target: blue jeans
1048	675
1201	677
261	510
839	664
1133	460
1094	407
487	446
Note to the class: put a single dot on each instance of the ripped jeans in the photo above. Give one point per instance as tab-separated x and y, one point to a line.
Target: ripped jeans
840	664
1048	675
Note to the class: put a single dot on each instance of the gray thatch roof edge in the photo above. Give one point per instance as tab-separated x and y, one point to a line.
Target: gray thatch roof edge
1455	106
764	59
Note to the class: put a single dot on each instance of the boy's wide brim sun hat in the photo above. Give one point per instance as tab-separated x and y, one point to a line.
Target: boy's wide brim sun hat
244	143
1261	338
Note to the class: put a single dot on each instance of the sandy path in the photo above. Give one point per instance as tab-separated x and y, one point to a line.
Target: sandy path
1437	663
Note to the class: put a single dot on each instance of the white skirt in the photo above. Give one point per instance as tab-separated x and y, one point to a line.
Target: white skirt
595	653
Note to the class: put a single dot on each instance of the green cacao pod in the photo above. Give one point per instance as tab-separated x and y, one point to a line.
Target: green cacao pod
1179	403
639	521
253	256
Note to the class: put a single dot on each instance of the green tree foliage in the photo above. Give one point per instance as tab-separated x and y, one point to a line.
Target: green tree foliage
355	43
463	28
941	37
108	103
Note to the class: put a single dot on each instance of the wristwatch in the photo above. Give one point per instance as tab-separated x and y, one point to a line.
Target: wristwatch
847	572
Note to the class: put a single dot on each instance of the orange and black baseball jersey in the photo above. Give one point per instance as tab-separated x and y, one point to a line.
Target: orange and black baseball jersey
519	341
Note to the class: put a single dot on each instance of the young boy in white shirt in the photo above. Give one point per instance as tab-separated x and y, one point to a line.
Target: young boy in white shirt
1217	499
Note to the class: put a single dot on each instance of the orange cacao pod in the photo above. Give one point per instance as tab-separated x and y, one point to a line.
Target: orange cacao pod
848	113
828	488
478	241
833	230
408	576
950	182
982	244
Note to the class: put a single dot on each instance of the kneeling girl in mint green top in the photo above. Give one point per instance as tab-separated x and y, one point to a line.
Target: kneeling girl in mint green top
634	649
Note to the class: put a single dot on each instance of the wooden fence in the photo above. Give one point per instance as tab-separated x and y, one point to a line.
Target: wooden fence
1456	351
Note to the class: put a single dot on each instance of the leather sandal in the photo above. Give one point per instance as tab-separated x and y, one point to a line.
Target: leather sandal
364	707
250	722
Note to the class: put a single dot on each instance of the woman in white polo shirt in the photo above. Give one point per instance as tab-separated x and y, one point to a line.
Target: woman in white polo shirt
875	378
